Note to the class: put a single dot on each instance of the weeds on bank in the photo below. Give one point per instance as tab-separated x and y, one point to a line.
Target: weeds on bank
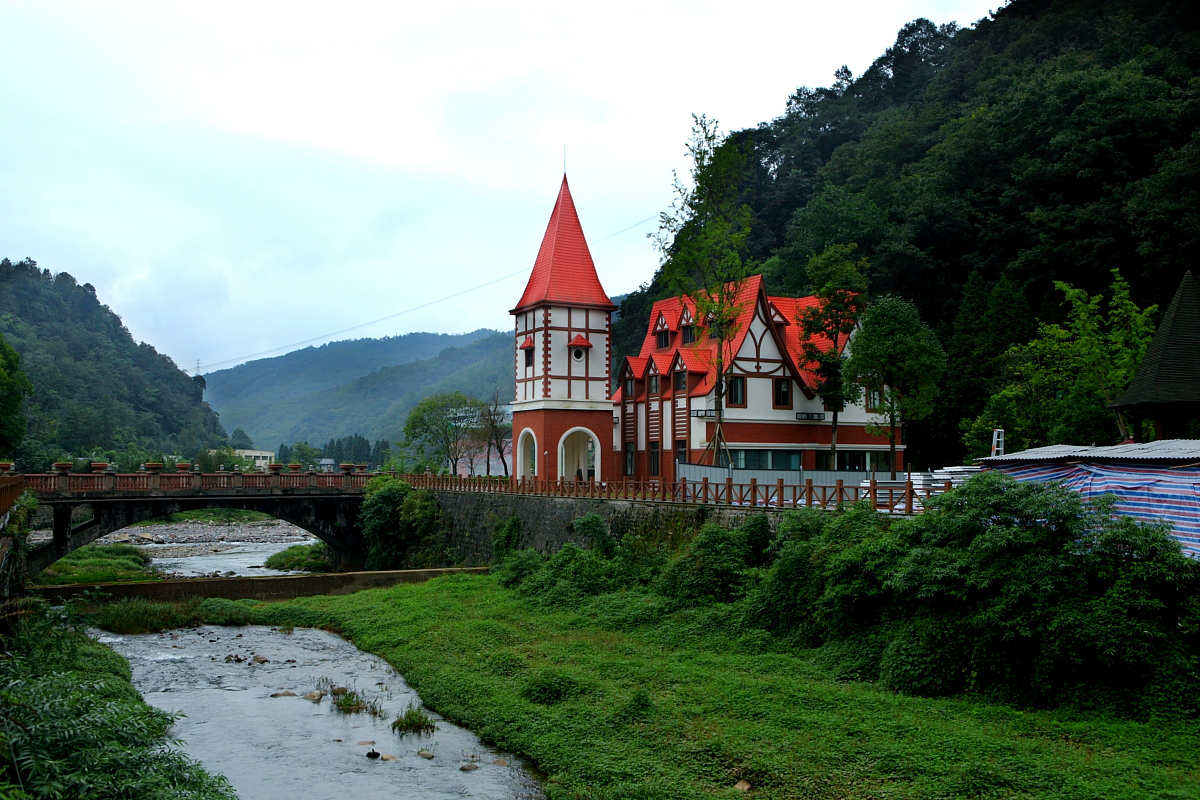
301	557
109	563
414	720
354	702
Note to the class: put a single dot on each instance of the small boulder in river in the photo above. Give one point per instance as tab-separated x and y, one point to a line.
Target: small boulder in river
338	691
284	694
424	754
260	660
364	744
315	696
500	762
389	758
469	767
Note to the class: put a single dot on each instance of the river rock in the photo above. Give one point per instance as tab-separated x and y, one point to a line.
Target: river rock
743	786
364	744
424	754
500	762
315	696
284	694
469	767
338	691
260	660
389	758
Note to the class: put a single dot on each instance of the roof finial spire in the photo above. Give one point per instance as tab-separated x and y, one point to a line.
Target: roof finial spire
564	159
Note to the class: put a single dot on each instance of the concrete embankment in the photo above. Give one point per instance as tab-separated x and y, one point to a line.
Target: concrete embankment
282	587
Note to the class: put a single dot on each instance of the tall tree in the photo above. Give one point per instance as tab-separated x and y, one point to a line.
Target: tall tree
240	440
444	425
14	386
496	427
898	358
838	283
702	240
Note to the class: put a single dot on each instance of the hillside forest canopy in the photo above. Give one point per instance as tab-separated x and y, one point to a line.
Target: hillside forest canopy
996	177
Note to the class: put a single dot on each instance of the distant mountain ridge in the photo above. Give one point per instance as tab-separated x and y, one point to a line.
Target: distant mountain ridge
363	386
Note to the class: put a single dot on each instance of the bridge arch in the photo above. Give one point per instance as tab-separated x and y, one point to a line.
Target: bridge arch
333	519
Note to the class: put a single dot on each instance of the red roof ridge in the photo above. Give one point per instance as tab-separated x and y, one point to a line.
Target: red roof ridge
564	273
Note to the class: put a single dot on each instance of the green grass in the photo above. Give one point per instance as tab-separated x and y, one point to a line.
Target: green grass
305	557
620	699
108	563
224	516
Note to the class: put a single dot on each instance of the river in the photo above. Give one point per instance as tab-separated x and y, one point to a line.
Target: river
286	747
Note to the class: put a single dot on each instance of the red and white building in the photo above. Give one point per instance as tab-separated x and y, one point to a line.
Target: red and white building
567	424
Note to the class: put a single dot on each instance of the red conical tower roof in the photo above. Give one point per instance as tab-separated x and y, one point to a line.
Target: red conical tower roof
564	274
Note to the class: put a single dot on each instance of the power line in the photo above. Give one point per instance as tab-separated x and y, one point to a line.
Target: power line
392	316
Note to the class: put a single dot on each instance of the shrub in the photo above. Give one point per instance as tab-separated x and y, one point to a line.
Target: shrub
570	575
594	529
506	538
401	526
414	720
515	569
710	569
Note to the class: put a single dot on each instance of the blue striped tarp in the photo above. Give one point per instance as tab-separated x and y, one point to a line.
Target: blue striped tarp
1149	493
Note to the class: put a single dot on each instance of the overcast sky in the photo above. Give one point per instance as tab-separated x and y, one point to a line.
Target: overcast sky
237	177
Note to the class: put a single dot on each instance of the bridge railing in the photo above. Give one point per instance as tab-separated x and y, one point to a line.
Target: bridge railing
889	496
11	488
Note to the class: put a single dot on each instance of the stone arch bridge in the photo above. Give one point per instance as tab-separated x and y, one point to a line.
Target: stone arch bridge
326	505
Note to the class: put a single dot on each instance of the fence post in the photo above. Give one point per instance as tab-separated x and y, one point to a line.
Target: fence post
729	491
837	500
754	492
704	490
908	497
808	492
779	493
948	486
874	495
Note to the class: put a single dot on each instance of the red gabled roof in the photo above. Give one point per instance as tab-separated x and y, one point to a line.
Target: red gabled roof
579	341
563	273
700	356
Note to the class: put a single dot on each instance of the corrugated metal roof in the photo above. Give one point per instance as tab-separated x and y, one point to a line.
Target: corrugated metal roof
1182	451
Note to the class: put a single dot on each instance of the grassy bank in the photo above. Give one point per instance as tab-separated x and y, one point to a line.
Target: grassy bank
621	698
100	564
75	727
220	516
304	557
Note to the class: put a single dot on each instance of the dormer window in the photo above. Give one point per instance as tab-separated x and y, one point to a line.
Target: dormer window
664	339
629	388
681	381
653	384
689	334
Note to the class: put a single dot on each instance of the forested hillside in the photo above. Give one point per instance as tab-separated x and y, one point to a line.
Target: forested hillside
1055	141
94	388
376	405
253	390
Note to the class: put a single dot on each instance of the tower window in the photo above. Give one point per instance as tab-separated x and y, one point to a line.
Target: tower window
529	358
664	340
689	334
652	457
629	457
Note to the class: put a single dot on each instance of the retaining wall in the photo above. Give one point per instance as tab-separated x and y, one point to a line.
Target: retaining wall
546	521
276	587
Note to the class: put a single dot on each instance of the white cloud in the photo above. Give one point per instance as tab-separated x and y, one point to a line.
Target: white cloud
236	176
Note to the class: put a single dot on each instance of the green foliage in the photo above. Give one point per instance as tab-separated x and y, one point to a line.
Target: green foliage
14	386
550	686
570	575
1058	386
94	388
401	526
594	530
517	567
900	361
95	563
1050	141
301	557
445	425
240	440
75	727
710	569
506	537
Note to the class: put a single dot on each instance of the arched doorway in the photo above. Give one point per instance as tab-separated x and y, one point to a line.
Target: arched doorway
577	452
526	455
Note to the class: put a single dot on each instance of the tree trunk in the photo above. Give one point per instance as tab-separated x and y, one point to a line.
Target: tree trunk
892	443
833	443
